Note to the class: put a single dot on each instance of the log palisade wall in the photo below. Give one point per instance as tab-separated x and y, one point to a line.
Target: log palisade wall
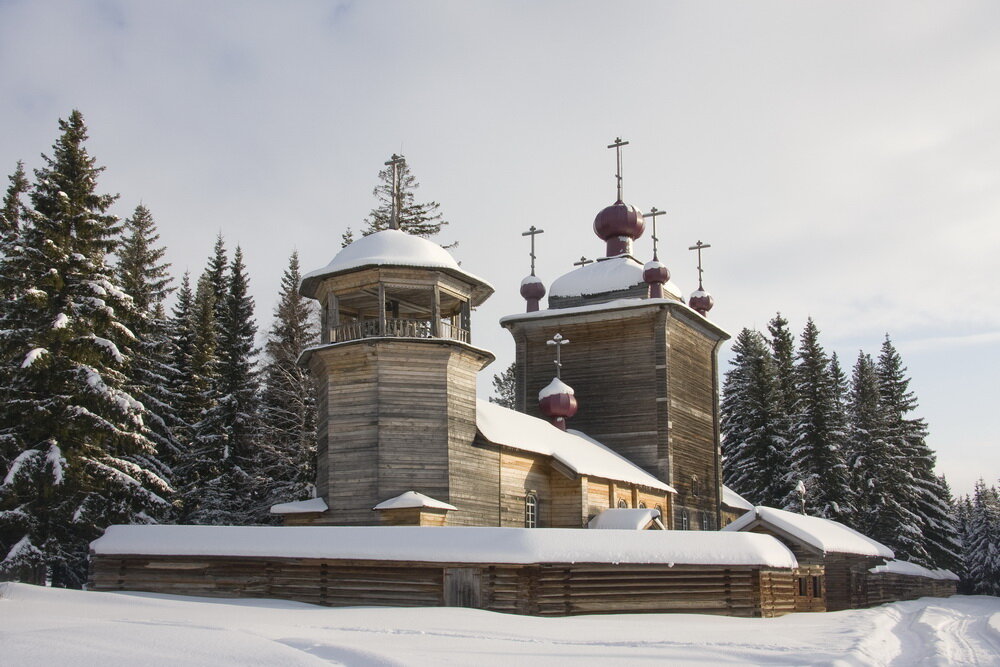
646	381
540	589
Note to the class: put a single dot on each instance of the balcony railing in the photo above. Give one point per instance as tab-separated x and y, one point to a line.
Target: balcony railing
406	328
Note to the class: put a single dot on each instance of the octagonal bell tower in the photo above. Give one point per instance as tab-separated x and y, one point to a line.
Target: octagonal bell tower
395	373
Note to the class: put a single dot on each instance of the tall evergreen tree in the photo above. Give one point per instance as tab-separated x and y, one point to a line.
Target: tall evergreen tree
756	461
868	455
83	447
421	219
935	536
783	352
817	455
288	444
983	548
145	277
504	388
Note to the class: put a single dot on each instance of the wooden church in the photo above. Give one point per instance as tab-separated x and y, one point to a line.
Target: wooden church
396	373
427	495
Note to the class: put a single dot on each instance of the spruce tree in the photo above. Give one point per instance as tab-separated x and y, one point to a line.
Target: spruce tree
504	388
817	455
783	353
983	549
287	456
83	447
421	219
145	277
867	454
755	457
13	211
934	541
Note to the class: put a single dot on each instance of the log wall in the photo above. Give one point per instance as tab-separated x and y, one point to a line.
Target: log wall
543	590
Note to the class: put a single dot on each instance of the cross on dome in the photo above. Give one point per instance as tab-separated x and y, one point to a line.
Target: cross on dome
699	246
532	232
618	155
653	212
558	341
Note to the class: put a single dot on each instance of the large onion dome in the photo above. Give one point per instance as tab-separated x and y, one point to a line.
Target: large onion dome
557	402
618	225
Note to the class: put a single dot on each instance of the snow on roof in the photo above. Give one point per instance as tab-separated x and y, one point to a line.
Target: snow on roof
448	545
823	534
412	499
617	304
557	386
733	499
300	506
607	275
624	519
578	452
912	570
390	247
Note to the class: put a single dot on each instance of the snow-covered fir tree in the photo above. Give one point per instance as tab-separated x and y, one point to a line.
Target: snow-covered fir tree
817	449
287	453
420	219
982	545
145	277
755	452
504	389
935	540
783	353
13	211
81	436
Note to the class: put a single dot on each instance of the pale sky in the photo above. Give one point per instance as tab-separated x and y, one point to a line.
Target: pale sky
842	158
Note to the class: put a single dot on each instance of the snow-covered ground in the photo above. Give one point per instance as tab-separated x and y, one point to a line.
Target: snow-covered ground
40	626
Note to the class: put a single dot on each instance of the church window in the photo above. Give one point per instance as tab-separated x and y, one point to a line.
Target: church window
531	511
695	486
622	504
706	520
685	520
642	505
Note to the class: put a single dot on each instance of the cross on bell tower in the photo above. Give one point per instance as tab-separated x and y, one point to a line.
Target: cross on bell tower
533	232
394	163
618	155
653	212
700	300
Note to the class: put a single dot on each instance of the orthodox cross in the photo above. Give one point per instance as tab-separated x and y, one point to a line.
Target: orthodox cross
583	262
653	212
394	162
558	341
532	232
699	246
618	151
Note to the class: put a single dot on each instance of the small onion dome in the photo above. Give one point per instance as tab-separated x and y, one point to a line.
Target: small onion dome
532	290
557	402
655	274
618	225
701	301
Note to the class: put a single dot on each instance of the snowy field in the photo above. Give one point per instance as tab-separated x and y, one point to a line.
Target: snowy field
40	626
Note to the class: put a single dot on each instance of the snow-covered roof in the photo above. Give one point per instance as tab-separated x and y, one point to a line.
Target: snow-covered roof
824	534
624	519
733	499
412	499
912	570
390	247
578	452
448	545
617	304
300	507
606	275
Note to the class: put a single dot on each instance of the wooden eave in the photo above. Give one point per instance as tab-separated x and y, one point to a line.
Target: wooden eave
478	289
487	356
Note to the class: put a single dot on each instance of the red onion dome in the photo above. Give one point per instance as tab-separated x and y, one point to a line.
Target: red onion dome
619	219
618	225
655	272
532	288
701	301
557	402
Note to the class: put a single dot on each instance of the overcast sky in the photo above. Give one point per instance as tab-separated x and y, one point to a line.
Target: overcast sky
842	158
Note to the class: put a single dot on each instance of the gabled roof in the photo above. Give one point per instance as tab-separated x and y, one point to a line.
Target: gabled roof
413	499
300	507
823	535
733	499
579	453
